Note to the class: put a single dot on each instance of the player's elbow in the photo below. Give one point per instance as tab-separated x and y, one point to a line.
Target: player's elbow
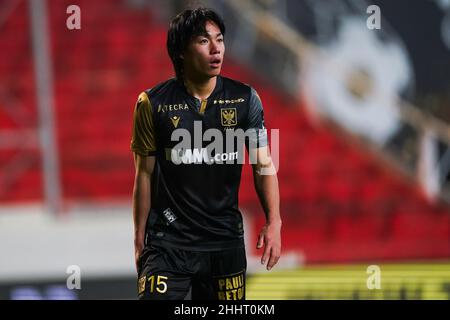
266	168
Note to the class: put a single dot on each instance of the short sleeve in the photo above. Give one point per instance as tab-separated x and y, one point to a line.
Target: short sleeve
143	135
255	125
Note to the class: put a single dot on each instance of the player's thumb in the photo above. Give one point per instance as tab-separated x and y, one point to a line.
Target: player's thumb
260	242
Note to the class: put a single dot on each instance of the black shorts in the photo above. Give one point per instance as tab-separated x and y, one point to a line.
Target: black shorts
170	273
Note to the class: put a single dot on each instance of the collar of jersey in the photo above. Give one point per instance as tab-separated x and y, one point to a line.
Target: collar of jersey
217	88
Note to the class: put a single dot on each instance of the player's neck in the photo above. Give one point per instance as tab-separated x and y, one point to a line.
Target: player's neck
200	89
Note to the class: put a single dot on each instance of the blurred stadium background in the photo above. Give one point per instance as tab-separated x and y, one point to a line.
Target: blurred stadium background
364	142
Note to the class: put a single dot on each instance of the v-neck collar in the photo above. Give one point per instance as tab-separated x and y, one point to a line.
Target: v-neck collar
217	88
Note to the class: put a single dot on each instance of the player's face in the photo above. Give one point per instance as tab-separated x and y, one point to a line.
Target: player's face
204	55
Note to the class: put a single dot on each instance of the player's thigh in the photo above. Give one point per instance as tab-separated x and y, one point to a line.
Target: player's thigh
160	277
227	277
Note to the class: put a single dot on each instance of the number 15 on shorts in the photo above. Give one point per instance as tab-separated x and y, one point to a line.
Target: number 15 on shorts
155	283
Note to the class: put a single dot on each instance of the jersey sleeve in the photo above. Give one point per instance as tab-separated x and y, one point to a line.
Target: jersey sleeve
143	134
255	125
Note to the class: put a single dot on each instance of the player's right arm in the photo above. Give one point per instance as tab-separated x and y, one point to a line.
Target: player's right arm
141	199
143	146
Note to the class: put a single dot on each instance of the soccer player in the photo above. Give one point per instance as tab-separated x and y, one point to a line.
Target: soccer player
188	228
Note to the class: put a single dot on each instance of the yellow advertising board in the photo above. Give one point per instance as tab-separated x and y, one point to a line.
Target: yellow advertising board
350	282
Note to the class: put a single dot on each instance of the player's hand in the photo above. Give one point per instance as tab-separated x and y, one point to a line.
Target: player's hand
138	248
270	238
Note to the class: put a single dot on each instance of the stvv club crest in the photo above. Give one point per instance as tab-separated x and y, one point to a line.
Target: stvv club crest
228	116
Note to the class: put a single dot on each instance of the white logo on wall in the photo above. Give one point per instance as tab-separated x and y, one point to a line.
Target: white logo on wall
374	278
74	20
74	278
444	5
374	21
356	79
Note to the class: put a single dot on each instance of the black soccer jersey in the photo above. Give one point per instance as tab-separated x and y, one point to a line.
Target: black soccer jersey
195	183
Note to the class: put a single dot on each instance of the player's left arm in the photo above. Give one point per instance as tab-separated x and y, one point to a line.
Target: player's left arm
266	184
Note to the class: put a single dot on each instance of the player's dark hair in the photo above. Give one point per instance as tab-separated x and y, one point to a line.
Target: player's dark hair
185	26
